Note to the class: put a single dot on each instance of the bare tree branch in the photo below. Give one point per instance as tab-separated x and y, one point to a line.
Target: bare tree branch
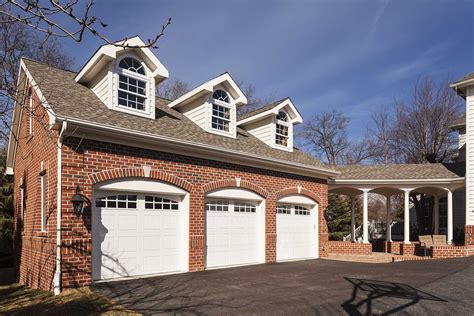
48	17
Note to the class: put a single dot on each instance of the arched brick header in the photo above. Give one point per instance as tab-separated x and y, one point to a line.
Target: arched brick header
297	190
139	173
234	183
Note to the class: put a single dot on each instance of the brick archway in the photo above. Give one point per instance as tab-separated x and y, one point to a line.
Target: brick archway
113	174
297	191
234	183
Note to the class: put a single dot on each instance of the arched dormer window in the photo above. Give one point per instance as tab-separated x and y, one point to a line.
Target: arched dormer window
132	64
282	129
132	84
221	107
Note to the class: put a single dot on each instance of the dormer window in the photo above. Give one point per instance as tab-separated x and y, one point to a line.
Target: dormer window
221	108
132	86
282	129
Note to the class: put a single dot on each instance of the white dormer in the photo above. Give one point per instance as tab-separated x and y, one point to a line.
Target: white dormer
273	123
125	78
213	105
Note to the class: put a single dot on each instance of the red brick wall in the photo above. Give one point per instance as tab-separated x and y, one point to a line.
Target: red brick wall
469	235
394	247
85	162
35	252
347	247
440	252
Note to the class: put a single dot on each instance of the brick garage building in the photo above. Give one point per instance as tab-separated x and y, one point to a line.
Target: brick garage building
167	185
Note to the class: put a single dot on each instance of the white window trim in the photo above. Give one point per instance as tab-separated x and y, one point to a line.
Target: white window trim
30	128
286	124
146	112
231	204
227	106
43	185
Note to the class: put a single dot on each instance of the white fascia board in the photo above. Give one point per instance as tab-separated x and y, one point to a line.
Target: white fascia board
274	111
462	84
397	181
111	134
16	117
208	87
109	52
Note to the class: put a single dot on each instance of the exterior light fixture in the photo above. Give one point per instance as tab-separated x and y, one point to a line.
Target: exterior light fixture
78	201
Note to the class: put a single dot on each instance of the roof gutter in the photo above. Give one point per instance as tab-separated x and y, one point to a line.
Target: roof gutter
397	181
276	163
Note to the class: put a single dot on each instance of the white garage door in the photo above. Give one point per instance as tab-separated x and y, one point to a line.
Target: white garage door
231	233
296	232
136	234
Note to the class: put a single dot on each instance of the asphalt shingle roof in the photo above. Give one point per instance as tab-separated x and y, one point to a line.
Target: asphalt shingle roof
466	77
70	99
259	110
400	171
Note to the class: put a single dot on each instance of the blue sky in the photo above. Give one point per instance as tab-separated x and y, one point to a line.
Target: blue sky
355	56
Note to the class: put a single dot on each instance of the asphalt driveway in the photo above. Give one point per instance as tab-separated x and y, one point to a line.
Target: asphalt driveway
307	287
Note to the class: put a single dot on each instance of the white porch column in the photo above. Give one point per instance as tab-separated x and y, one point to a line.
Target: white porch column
365	217
389	219
353	224
406	218
450	216
436	215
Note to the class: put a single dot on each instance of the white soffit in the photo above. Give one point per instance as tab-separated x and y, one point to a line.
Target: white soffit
140	185
236	194
297	199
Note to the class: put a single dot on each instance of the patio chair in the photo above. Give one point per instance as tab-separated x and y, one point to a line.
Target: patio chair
426	242
439	240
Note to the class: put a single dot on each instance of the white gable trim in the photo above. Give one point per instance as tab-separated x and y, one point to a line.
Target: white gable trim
107	53
208	87
16	116
295	116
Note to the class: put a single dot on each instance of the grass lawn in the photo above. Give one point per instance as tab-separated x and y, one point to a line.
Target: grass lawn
19	300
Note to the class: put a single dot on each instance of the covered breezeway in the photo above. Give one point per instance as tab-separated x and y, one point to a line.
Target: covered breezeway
437	180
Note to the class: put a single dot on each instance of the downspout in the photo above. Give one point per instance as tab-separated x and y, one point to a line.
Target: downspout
57	273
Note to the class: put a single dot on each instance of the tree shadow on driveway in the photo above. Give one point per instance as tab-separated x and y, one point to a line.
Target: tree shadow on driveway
393	297
177	294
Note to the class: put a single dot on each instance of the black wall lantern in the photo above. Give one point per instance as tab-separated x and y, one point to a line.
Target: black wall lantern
78	200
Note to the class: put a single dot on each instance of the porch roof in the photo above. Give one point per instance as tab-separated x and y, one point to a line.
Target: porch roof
401	171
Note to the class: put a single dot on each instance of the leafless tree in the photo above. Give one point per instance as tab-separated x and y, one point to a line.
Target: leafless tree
16	41
66	19
172	89
422	130
326	135
254	100
380	131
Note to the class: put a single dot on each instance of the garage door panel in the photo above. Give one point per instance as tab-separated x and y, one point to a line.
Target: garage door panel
231	237
295	232
127	222
127	244
136	240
